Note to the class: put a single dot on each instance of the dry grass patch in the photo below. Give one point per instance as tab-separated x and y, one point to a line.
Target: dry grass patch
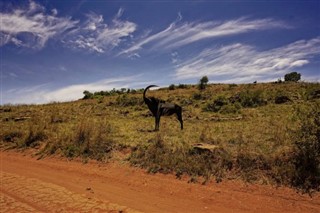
256	138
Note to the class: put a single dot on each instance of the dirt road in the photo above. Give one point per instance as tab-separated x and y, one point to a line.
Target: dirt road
58	185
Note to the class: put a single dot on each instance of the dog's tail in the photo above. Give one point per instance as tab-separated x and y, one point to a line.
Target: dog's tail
146	89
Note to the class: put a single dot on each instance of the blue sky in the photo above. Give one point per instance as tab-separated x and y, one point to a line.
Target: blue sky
54	50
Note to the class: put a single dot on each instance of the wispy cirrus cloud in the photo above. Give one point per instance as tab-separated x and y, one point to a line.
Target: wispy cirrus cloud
32	27
97	36
179	34
43	94
244	63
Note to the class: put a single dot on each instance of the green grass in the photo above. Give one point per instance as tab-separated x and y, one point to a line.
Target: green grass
256	138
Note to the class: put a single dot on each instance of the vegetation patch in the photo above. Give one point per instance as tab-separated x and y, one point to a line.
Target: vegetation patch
306	155
270	144
252	98
159	156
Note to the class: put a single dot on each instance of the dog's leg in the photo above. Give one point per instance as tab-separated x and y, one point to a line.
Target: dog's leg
179	115
158	116
156	128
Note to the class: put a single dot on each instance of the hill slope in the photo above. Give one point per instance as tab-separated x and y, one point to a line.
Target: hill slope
254	131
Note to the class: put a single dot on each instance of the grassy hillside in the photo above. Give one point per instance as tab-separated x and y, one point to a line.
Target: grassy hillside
267	133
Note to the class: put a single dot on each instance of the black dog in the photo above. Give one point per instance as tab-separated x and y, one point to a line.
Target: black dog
161	108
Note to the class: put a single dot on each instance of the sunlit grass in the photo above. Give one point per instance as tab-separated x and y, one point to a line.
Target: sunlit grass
250	141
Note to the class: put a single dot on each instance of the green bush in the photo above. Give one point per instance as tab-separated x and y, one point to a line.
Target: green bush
230	108
293	76
172	87
217	104
306	155
125	100
223	105
182	86
87	95
312	92
252	98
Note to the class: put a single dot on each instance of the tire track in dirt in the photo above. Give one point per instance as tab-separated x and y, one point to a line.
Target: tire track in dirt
30	185
11	204
22	194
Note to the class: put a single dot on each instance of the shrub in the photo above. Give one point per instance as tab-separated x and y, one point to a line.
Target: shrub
87	95
230	108
162	157
99	99
313	92
250	165
281	99
125	100
182	86
217	104
306	155
197	96
11	136
293	76
172	87
133	91
83	133
87	142
51	147
34	136
252	98
71	151
234	99
102	144
279	81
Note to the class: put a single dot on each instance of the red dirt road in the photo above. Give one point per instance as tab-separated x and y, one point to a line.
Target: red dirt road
57	185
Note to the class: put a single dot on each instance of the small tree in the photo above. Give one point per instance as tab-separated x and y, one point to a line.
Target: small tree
172	87
293	76
203	83
87	94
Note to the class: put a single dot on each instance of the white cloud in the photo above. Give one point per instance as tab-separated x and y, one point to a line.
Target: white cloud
311	78
243	63
97	36
13	75
299	63
32	27
93	21
41	94
119	14
54	12
178	34
174	57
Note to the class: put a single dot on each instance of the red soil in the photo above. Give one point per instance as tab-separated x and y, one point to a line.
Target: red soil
51	185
